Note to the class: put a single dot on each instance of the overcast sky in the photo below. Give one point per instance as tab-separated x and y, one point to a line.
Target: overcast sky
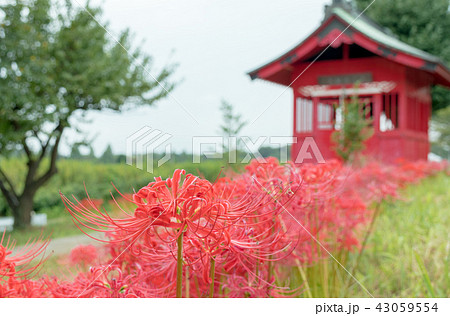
215	44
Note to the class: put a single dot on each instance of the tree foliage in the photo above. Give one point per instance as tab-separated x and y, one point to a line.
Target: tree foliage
441	124
56	61
108	155
355	130
232	123
420	23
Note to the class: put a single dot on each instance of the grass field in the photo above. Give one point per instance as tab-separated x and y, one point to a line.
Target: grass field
408	254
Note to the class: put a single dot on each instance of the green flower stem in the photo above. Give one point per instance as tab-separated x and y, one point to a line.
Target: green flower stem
212	273
180	265
187	282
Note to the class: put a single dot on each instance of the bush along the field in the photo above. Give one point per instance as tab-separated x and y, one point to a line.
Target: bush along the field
238	236
77	176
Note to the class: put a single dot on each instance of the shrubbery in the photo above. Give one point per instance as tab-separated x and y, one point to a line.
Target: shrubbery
97	177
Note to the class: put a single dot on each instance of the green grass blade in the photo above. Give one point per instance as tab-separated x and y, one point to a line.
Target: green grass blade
425	276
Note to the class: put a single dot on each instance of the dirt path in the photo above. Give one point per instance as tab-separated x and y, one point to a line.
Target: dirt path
64	245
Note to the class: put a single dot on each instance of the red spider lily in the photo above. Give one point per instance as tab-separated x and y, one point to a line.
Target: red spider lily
16	266
239	286
101	281
192	207
19	264
83	255
163	203
26	288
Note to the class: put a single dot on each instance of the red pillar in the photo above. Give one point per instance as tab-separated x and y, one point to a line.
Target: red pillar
294	147
377	101
402	111
314	115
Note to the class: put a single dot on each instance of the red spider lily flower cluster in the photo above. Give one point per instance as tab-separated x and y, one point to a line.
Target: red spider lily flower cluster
182	229
188	237
83	255
16	267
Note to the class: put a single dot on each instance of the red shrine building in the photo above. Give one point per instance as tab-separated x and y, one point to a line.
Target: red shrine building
349	55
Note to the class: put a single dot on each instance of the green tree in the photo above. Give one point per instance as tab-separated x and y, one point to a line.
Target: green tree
441	125
75	152
108	155
56	61
420	23
355	130
232	124
91	153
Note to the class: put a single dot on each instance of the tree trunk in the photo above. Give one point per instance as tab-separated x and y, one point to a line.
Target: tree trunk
22	205
22	213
